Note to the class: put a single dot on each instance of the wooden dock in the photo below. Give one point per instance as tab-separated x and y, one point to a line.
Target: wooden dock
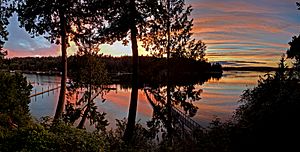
40	93
177	114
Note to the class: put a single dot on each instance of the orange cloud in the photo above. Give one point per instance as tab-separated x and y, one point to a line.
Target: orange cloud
240	23
245	30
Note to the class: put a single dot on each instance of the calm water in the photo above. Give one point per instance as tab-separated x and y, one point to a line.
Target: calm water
219	98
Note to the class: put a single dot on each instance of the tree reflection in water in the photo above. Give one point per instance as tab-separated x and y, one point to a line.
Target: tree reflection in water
182	98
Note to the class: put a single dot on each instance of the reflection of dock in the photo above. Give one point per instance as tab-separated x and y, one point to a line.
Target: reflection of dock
184	119
178	115
40	93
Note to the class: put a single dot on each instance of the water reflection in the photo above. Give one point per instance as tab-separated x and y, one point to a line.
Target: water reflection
219	98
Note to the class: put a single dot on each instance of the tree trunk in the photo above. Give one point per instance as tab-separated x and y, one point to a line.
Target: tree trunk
83	119
62	93
134	92
88	108
169	102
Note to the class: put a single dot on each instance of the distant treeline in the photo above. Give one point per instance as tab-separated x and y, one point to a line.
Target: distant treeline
27	64
113	64
151	69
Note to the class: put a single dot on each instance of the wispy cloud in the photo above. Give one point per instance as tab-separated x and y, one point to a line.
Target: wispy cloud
245	30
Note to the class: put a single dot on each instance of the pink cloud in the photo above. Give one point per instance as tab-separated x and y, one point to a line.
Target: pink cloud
247	30
53	50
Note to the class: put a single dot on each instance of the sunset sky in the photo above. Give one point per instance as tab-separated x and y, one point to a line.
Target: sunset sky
237	32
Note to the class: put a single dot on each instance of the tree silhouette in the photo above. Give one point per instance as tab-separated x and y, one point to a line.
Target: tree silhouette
269	112
294	50
6	12
57	21
171	28
124	17
14	97
2	54
170	36
180	96
87	71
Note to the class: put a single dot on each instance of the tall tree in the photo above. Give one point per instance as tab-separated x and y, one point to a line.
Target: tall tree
126	19
134	93
170	36
171	31
57	21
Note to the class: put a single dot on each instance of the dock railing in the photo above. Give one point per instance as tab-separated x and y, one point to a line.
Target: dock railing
175	112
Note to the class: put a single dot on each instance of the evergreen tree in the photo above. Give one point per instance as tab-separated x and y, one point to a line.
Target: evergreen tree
57	21
126	19
171	27
14	100
294	51
87	71
170	36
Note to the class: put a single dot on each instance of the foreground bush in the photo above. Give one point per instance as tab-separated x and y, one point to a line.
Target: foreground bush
267	119
60	137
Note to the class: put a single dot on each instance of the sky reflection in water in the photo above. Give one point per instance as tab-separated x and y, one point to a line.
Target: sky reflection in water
219	98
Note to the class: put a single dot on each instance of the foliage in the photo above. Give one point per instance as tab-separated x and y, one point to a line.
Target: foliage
124	19
56	20
14	99
59	137
142	139
174	19
216	137
46	17
87	69
85	110
19	133
6	12
114	65
117	14
265	120
293	51
182	96
267	113
30	64
269	110
88	72
2	54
